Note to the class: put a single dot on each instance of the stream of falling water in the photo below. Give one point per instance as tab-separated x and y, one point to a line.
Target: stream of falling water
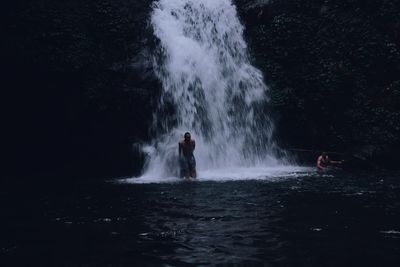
209	88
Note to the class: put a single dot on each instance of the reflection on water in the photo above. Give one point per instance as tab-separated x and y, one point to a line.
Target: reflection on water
331	219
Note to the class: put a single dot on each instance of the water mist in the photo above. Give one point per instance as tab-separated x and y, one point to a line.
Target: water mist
209	88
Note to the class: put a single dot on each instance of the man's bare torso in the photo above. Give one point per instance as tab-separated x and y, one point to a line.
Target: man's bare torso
187	147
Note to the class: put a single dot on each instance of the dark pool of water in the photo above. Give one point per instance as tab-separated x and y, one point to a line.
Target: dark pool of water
339	219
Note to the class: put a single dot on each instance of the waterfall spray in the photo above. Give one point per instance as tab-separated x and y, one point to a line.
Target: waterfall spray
209	88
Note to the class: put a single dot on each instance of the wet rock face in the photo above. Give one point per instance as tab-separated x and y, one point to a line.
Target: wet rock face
331	68
81	85
371	157
81	88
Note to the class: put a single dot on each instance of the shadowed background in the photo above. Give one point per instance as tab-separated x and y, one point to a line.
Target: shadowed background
80	89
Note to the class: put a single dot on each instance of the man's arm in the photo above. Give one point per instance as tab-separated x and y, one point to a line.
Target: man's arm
334	161
194	144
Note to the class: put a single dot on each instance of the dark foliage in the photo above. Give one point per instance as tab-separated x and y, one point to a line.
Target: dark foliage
80	89
80	83
333	69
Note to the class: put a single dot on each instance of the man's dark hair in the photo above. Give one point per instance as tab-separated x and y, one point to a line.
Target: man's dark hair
186	134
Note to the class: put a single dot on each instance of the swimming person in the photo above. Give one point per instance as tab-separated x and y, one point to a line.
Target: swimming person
186	157
324	161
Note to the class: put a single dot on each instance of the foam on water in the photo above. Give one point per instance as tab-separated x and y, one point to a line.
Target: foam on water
271	174
210	89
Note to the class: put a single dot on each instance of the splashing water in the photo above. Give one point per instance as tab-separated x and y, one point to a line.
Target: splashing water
209	89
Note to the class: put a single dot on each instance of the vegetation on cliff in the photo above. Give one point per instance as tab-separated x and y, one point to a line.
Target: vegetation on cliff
81	88
333	69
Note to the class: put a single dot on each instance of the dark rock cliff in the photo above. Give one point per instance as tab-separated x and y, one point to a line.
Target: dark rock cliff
80	84
80	89
333	70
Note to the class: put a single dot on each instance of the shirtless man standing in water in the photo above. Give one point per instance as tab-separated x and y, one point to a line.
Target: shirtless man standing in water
186	157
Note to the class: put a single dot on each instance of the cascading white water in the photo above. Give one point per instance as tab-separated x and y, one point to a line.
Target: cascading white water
209	89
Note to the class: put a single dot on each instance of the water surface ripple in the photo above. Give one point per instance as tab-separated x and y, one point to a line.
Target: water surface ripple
333	219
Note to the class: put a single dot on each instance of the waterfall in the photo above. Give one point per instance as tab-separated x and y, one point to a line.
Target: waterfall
209	88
